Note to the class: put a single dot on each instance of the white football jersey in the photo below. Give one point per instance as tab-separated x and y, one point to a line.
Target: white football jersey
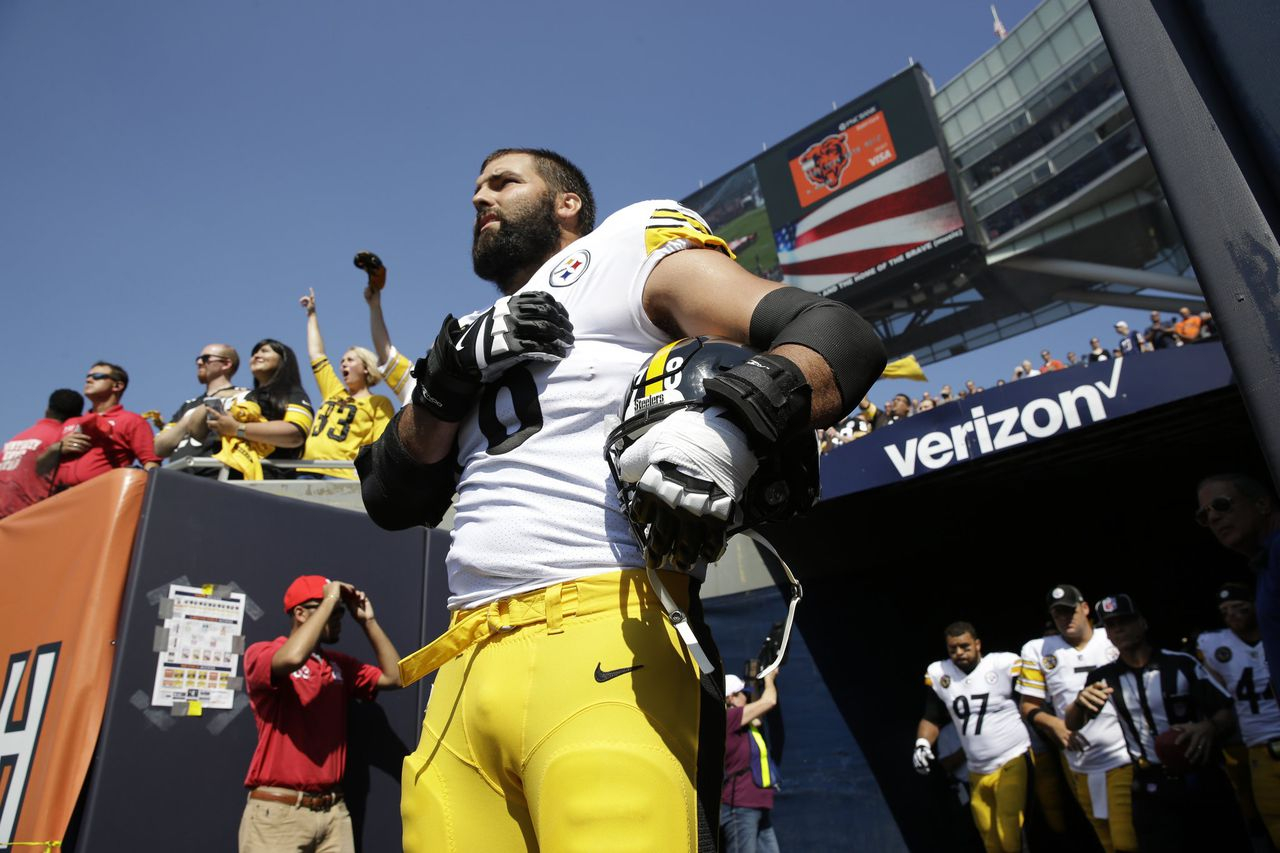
536	503
982	708
1243	668
1054	670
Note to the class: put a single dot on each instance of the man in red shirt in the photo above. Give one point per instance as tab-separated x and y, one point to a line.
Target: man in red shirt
299	692
747	798
106	438
20	486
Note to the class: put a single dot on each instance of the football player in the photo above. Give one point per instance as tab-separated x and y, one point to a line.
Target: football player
560	669
977	690
1236	657
1054	670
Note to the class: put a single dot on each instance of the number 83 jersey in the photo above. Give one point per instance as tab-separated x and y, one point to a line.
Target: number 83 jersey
536	503
982	708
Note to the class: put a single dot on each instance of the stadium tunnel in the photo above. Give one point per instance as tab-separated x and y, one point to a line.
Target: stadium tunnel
1107	508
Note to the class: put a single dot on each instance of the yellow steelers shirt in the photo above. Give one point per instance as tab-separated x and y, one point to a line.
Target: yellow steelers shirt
344	423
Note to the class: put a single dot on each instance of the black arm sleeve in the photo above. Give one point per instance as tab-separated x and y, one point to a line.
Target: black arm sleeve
399	491
832	329
934	711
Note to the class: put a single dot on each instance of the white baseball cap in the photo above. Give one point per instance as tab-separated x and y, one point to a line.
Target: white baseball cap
733	684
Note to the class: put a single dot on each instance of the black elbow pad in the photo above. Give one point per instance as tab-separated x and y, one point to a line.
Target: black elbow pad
832	329
400	492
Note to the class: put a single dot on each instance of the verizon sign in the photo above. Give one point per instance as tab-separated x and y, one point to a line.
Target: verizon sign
1037	409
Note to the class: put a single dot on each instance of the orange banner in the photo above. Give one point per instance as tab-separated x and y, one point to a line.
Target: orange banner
842	158
63	564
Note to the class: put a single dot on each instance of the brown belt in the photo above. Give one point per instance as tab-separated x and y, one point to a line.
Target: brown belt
301	799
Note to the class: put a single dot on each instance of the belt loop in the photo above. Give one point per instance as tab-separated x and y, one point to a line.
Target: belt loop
499	615
551	601
298	804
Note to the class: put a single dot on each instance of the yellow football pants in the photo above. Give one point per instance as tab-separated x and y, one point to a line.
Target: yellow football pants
564	720
1116	832
1050	791
1264	779
998	801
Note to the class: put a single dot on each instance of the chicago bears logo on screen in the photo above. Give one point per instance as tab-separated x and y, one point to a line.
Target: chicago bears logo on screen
825	162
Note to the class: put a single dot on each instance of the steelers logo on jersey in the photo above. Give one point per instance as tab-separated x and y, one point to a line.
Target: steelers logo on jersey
570	269
1050	662
991	678
1113	654
1222	654
945	681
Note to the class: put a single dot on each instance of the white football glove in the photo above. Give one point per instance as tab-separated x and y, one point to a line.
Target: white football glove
922	756
690	469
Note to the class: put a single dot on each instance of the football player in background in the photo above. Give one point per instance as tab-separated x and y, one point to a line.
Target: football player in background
977	691
560	669
1235	656
1171	712
1054	670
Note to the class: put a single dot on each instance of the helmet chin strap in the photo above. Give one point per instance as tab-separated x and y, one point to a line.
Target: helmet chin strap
680	621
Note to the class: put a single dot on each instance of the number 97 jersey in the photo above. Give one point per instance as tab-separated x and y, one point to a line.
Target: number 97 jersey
982	707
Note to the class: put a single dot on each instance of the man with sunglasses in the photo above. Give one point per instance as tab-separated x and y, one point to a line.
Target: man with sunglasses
299	693
1244	516
105	438
187	434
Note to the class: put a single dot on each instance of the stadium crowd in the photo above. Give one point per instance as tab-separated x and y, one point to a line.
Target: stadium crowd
1187	327
263	431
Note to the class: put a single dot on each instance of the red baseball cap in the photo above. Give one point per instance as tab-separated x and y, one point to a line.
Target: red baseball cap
305	588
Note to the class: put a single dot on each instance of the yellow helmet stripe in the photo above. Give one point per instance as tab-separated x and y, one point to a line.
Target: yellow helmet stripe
657	367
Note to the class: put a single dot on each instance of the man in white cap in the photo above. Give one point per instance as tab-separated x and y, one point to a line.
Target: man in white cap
1131	343
749	774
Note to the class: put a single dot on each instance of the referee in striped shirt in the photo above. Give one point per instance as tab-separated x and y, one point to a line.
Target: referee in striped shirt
1177	805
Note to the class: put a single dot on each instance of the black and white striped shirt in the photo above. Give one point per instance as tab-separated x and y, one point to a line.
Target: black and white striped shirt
1172	688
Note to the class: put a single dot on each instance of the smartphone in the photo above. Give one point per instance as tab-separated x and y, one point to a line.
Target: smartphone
215	404
367	261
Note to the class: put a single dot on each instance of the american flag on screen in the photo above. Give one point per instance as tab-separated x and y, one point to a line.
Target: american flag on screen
871	223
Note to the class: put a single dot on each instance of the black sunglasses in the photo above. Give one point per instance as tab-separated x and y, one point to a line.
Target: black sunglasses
97	376
337	611
1218	504
205	359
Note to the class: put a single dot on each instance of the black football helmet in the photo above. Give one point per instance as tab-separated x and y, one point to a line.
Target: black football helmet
785	484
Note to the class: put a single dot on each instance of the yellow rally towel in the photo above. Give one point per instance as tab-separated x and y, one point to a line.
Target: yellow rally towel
241	454
904	368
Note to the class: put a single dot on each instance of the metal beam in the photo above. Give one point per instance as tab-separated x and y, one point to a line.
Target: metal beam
1088	271
1166	304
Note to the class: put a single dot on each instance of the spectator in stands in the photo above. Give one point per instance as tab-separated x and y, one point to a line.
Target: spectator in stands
187	434
1181	798
394	367
1097	352
746	801
299	691
1050	363
945	396
1188	328
1160	334
1131	343
1208	330
273	419
926	405
1073	360
899	408
1024	370
351	416
1235	656
971	387
1244	516
105	438
20	486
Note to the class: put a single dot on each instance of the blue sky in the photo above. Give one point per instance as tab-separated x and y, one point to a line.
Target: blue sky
173	174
